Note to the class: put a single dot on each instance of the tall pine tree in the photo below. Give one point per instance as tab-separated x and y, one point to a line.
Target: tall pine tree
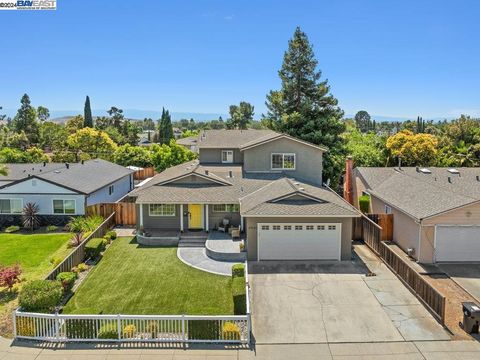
26	120
304	107
165	127
87	114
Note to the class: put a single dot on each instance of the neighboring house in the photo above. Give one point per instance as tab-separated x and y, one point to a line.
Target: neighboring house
436	211
145	138
61	190
269	184
189	142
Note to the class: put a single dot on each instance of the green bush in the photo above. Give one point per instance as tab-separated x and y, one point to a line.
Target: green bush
52	228
84	224
93	248
111	235
364	203
55	261
67	279
40	295
238	270
108	331
203	329
81	328
239	294
80	268
12	229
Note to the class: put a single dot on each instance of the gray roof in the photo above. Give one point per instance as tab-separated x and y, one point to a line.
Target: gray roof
423	194
84	178
229	138
187	141
287	197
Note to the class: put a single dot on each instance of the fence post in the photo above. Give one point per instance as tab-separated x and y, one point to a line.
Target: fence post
119	328
57	326
249	328
183	328
14	315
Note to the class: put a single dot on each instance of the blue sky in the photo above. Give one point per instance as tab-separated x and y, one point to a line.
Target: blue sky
391	58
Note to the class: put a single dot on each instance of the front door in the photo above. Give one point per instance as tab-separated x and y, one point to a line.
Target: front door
195	220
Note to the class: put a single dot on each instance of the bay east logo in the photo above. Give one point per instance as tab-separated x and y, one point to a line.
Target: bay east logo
28	4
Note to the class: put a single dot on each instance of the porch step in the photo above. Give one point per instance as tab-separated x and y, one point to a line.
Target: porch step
192	241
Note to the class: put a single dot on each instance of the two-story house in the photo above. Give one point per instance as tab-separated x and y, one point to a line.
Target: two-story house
269	184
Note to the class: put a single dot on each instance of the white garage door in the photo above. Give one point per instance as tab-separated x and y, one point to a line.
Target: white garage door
457	243
284	241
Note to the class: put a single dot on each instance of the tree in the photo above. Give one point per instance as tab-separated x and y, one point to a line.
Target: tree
87	114
240	116
420	125
366	149
413	149
363	121
88	143
127	155
165	127
74	124
43	113
304	107
165	156
52	135
15	156
26	120
116	116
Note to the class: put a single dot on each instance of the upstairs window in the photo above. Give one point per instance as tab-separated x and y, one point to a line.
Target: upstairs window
11	206
64	206
283	161
227	156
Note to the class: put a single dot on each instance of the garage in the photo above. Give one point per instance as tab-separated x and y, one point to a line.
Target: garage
457	243
299	241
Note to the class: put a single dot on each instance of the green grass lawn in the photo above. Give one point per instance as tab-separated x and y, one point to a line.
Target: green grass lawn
132	279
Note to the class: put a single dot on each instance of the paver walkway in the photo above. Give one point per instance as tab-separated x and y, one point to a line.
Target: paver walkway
197	258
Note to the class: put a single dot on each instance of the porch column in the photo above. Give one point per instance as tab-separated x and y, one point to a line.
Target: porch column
241	223
181	217
206	216
141	215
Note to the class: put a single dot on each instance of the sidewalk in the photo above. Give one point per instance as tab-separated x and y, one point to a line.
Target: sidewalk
348	351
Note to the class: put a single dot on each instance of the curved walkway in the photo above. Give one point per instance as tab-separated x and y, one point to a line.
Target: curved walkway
197	258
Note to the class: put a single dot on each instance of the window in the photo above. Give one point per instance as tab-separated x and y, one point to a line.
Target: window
265	227
226	208
110	189
283	161
64	206
388	209
276	227
227	156
11	206
287	227
161	210
321	227
309	227
298	227
332	227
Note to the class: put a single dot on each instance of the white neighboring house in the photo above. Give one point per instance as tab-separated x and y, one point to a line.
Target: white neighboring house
61	190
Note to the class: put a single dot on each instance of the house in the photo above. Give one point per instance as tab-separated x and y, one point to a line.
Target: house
436	211
61	190
189	142
266	183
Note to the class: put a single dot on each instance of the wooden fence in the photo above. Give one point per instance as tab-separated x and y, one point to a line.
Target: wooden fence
385	221
144	173
125	212
77	255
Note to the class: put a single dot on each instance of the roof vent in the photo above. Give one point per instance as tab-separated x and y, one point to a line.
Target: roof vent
425	171
44	163
57	171
230	174
206	172
449	179
453	171
67	165
417	169
301	189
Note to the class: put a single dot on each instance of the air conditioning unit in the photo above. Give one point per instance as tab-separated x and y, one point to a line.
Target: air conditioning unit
411	252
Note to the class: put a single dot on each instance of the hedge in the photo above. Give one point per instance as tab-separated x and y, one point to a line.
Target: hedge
94	247
239	294
364	203
40	295
238	270
67	279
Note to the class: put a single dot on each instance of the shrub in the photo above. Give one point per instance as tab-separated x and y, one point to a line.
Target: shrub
55	261
80	268
81	328
242	246
129	331
12	229
84	224
25	326
52	228
239	296
67	279
30	217
230	331
203	329
40	295
105	242
238	270
108	331
111	235
9	276
364	203
93	248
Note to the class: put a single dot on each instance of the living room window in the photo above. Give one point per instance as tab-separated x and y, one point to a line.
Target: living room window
161	210
227	156
281	161
11	206
226	208
61	206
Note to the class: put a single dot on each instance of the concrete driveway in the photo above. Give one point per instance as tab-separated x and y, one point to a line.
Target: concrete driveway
466	275
330	302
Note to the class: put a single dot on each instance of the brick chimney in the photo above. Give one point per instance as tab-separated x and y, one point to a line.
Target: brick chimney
347	185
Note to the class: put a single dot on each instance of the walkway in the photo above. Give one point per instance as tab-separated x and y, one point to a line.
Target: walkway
390	350
197	258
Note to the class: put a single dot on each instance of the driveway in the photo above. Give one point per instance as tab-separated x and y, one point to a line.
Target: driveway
330	302
466	275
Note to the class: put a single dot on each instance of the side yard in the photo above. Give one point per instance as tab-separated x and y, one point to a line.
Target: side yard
132	279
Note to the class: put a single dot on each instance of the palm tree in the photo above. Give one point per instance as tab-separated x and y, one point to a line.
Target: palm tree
30	217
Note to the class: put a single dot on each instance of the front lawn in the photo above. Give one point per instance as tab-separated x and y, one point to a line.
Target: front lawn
133	279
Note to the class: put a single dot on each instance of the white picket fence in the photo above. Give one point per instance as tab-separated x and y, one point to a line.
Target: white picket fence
131	328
